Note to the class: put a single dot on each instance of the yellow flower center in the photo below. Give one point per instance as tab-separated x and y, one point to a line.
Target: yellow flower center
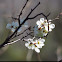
35	46
42	25
30	44
38	42
45	31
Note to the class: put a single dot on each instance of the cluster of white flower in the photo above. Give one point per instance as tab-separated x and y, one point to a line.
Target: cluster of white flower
34	44
43	25
14	25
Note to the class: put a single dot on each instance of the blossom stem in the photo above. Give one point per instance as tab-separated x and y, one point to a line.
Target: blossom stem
38	56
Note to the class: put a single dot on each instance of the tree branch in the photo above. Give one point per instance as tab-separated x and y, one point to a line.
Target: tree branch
37	15
14	18
57	18
8	38
48	14
23	7
32	10
9	43
21	11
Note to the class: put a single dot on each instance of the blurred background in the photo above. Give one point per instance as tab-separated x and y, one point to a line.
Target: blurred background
52	51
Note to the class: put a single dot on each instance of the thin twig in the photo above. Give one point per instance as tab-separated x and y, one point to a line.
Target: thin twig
57	18
22	32
26	36
23	8
14	18
21	11
9	43
37	15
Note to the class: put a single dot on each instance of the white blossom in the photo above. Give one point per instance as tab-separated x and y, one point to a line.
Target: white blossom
34	44
40	42
41	23
51	26
13	26
45	26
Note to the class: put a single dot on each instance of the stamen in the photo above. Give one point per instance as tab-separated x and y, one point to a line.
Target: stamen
34	43
11	26
42	25
40	28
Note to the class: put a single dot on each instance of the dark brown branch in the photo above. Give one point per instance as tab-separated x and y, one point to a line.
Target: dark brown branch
23	8
14	18
48	14
21	11
8	38
32	10
37	15
26	36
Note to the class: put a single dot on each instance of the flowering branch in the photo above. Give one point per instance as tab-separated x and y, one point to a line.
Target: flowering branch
44	26
8	38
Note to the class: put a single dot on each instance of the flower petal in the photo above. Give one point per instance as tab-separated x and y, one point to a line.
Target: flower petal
52	26
50	20
37	50
26	44
39	45
16	24
38	23
46	28
42	20
12	29
25	26
8	26
43	40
